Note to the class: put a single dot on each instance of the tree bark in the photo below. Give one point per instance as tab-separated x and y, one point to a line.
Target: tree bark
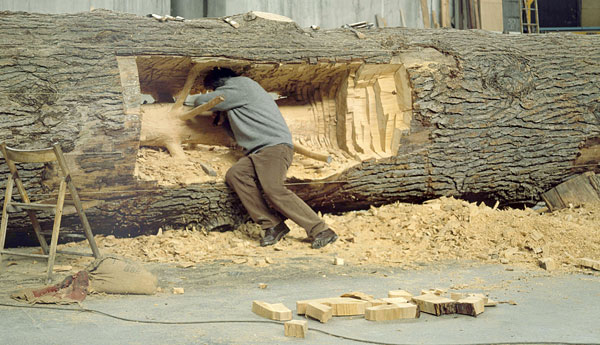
488	116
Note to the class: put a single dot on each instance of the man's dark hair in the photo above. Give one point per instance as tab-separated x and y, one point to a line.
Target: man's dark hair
217	77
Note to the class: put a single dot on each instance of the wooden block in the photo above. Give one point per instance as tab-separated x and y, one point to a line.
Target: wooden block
276	311
400	293
589	263
395	300
434	304
295	328
392	312
319	311
480	295
376	302
341	306
358	295
547	263
347	308
338	261
470	306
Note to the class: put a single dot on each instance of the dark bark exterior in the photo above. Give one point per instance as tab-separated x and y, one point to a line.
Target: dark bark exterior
511	117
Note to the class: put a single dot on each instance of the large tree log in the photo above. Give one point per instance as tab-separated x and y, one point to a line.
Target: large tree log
424	113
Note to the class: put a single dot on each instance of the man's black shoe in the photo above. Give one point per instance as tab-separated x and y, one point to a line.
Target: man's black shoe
274	234
323	238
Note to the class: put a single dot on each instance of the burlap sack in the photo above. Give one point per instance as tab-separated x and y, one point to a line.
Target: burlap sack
111	274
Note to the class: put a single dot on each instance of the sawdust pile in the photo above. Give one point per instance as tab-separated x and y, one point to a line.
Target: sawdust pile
399	234
155	164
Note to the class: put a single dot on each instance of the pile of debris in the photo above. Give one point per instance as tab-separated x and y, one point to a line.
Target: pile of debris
400	234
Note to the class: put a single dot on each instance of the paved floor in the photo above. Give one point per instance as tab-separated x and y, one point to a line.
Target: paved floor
550	308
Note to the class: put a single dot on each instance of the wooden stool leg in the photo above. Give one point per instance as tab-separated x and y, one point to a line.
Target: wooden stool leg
56	228
4	223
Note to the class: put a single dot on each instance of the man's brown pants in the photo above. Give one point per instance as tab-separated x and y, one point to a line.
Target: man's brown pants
266	170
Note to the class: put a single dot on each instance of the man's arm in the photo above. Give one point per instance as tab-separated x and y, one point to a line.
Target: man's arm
234	98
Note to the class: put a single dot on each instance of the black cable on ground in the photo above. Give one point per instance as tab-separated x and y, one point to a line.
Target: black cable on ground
93	311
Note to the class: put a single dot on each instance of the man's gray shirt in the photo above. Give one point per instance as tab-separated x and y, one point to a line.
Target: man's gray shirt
253	115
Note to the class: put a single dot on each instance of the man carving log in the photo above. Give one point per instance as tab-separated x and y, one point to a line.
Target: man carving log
258	126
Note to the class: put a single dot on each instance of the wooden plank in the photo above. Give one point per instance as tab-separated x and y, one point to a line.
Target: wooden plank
295	328
472	306
341	306
445	12
477	14
490	13
403	23
392	312
589	263
381	23
396	300
276	311
436	24
425	13
319	311
435	305
578	190
457	14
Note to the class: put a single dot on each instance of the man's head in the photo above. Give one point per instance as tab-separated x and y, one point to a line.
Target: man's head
217	77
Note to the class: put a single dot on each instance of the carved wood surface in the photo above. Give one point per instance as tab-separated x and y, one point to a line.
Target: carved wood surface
494	117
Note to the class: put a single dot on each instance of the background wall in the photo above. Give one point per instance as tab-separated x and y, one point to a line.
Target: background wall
328	13
139	7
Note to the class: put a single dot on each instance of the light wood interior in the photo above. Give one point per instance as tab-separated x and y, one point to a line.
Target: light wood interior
352	110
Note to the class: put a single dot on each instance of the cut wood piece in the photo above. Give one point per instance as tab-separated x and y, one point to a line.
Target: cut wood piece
470	306
392	312
578	190
276	311
295	328
547	263
341	306
490	303
338	261
358	295
396	300
435	305
271	16
319	311
231	22
589	263
479	295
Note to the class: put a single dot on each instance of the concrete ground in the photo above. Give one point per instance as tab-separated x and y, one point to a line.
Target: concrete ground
216	307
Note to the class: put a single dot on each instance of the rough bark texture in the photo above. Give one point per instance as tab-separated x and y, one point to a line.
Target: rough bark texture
498	117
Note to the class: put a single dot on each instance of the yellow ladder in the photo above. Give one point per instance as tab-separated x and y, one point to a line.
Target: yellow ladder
530	21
